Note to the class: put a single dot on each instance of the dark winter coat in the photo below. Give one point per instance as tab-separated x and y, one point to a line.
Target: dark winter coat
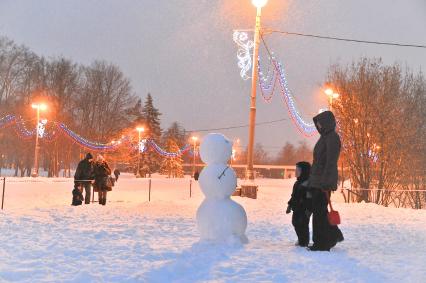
84	170
326	153
102	172
298	200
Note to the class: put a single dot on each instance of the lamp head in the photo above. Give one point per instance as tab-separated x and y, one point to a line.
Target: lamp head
259	3
140	129
40	106
329	91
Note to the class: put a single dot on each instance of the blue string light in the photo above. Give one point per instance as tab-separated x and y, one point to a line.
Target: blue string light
267	87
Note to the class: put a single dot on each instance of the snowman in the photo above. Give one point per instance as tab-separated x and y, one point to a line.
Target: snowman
219	218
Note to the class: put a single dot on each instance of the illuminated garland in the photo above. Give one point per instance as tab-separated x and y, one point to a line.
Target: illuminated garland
22	131
84	142
7	121
160	151
267	83
243	53
308	129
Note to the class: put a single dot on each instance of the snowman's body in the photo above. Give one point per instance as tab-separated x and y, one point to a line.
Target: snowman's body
219	218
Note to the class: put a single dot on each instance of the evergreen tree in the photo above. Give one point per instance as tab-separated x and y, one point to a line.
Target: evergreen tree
151	116
172	166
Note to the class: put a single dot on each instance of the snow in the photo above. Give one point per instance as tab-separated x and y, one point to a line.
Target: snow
44	239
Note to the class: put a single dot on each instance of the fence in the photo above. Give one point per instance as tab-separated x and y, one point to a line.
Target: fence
2	195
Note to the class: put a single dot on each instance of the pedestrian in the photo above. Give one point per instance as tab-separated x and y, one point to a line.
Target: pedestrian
103	182
116	174
84	175
196	175
299	203
323	180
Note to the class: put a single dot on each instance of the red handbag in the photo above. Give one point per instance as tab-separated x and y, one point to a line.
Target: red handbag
333	215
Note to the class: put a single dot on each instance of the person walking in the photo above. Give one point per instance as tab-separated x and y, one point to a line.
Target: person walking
103	183
84	176
116	174
323	180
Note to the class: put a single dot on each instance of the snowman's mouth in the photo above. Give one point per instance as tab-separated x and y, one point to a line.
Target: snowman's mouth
223	173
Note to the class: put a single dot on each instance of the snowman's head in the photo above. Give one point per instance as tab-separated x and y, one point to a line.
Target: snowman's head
215	149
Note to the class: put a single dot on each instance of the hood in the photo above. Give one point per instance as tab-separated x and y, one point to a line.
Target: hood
327	121
306	169
89	156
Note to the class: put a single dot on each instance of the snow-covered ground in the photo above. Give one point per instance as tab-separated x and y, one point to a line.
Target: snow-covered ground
44	239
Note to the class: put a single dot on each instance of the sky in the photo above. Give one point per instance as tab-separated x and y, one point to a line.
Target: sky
182	52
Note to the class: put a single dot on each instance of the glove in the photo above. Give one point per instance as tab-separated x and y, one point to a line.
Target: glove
288	209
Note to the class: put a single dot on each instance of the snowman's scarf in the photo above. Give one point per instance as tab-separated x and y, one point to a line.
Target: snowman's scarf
223	173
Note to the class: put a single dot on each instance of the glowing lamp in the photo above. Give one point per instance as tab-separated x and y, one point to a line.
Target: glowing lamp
329	91
140	129
259	3
39	106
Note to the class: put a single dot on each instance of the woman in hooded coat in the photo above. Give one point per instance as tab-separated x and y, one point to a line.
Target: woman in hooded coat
322	180
102	172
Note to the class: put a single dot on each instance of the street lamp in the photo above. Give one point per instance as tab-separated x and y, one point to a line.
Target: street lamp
194	141
331	95
252	120
140	131
38	107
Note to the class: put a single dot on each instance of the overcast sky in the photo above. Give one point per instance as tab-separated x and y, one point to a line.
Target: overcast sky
181	51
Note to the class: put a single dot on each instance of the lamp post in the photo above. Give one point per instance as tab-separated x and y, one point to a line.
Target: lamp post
194	141
252	119
38	107
140	131
331	95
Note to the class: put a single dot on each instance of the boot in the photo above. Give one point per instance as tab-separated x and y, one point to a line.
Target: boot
315	248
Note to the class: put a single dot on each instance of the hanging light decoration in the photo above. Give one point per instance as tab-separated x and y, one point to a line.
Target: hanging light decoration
275	74
243	53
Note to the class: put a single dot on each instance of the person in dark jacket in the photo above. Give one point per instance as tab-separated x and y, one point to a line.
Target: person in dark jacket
196	175
77	196
322	180
84	175
116	174
102	183
300	204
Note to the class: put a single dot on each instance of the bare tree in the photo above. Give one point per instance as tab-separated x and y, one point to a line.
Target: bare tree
378	124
